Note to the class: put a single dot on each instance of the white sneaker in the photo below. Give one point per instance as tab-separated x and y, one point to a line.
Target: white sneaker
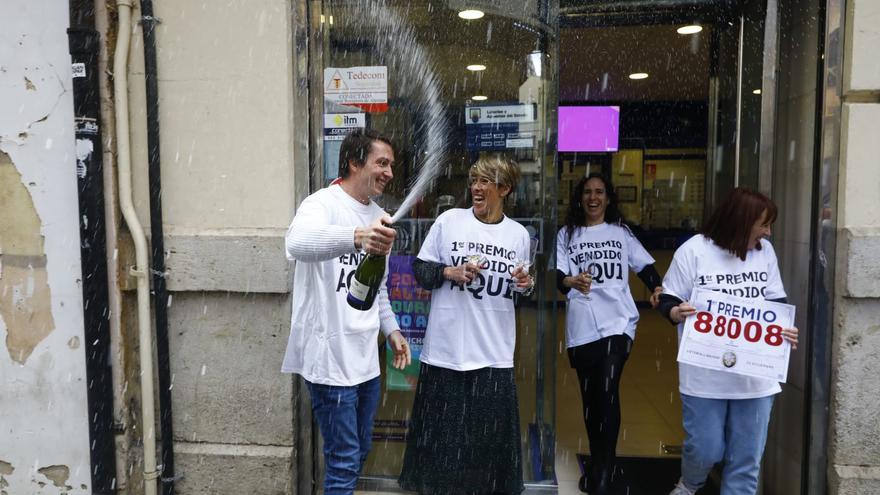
680	489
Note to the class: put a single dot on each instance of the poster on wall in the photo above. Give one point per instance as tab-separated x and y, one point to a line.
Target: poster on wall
737	335
363	87
411	305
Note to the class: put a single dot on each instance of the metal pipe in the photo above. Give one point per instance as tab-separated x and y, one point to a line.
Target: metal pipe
768	97
739	91
84	43
157	243
123	149
111	224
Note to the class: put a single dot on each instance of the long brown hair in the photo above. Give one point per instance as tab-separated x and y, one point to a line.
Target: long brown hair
577	218
730	225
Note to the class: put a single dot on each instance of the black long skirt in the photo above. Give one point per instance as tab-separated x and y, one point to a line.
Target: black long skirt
464	433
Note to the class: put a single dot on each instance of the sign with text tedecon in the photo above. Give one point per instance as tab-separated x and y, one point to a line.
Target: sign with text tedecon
363	87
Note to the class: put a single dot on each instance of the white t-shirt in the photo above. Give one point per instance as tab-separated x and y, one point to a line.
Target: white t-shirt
700	263
473	326
610	309
330	342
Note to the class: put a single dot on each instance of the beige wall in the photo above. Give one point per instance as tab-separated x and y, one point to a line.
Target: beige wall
855	431
225	88
227	131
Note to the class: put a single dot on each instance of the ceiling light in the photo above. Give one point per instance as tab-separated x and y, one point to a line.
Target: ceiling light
471	14
692	29
756	91
638	75
479	98
476	67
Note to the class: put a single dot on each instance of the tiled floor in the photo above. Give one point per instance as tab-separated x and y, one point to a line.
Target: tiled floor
650	405
651	409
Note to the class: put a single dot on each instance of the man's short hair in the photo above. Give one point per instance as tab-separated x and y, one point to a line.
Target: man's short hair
356	146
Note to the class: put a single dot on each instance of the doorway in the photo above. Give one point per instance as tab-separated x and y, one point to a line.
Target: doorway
692	107
690	82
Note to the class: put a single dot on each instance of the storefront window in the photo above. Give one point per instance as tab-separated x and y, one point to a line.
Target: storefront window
495	77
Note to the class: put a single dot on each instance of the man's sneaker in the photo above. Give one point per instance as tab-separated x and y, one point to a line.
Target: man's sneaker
680	489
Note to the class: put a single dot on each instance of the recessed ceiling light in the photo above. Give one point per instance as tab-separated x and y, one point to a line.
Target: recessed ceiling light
638	75
479	98
476	67
471	14
692	29
756	91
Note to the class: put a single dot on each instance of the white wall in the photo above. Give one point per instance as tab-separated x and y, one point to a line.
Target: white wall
44	442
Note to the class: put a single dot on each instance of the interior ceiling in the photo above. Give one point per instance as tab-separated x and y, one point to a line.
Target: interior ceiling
595	63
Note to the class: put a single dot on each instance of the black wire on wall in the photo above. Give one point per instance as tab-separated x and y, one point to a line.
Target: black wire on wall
157	248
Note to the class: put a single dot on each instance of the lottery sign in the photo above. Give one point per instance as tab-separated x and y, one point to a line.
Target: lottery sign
736	335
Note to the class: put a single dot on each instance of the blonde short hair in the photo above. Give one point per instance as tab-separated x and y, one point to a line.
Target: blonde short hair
497	168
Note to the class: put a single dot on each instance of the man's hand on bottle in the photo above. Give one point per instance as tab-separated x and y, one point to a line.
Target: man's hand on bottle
377	238
399	345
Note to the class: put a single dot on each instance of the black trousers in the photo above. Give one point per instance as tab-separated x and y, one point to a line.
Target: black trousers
599	366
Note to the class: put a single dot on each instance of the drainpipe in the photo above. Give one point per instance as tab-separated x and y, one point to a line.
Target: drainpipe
111	215
123	149
84	47
157	242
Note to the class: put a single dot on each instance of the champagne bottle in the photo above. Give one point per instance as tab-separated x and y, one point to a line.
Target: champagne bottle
365	282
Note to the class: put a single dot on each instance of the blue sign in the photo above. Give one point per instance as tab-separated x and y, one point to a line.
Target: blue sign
497	127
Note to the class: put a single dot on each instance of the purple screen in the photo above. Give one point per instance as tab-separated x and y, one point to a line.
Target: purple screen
588	128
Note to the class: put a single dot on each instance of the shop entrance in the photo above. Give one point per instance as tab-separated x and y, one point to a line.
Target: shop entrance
687	79
691	107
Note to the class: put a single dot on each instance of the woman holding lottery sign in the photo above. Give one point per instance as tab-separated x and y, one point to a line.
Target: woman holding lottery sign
594	252
725	416
464	429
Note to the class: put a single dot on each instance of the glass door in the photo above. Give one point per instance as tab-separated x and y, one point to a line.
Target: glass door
689	82
376	65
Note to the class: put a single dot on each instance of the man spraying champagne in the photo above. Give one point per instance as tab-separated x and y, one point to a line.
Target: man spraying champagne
333	345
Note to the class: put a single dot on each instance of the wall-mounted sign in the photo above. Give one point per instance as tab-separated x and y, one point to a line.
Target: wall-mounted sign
498	127
362	87
338	125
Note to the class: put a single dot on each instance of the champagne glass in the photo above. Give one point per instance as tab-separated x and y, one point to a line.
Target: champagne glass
476	260
592	271
527	262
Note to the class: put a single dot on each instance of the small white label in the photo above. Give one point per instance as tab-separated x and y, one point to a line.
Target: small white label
78	69
358	290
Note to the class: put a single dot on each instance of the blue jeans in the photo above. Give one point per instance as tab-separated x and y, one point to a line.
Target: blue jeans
730	430
345	418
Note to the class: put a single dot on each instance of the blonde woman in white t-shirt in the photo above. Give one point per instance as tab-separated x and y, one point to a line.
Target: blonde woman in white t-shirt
464	434
725	416
595	251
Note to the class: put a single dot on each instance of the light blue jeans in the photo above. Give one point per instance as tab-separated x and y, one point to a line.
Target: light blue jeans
732	431
345	418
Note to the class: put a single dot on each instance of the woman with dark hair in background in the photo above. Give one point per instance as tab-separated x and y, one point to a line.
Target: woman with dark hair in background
725	416
593	252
